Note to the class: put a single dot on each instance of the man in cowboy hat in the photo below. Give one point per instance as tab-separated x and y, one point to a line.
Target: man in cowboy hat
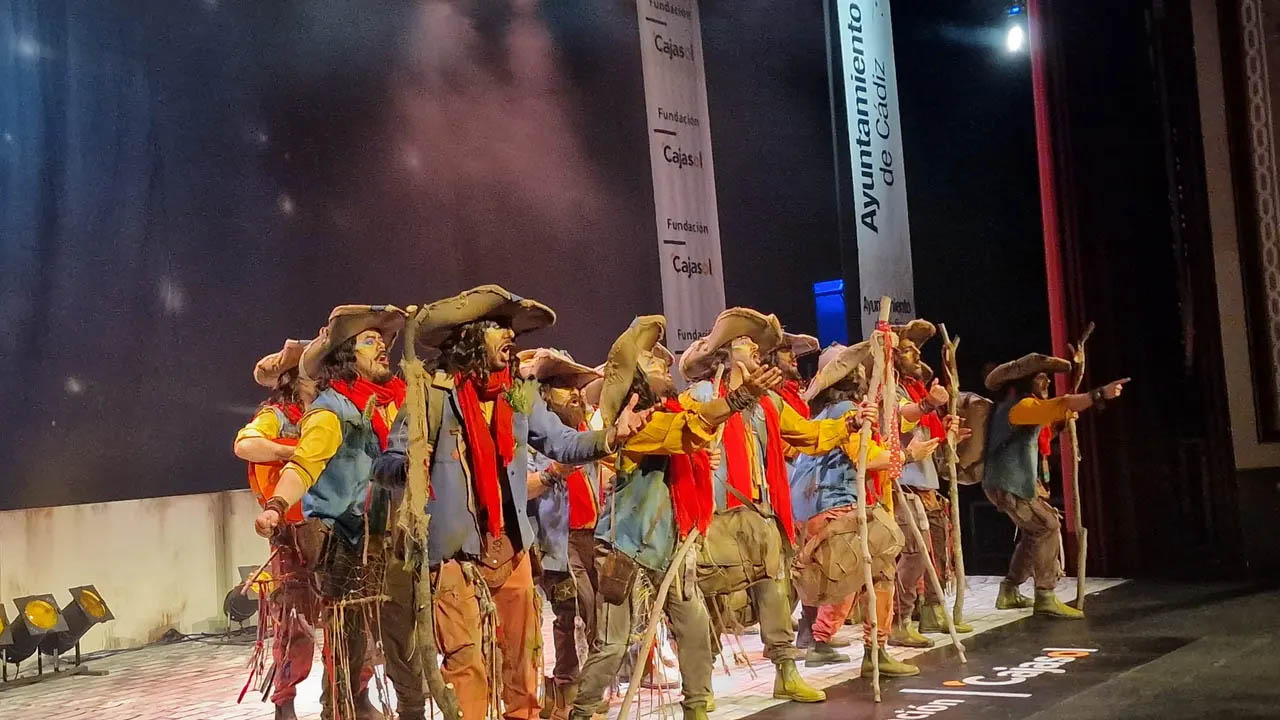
786	357
920	398
342	433
564	504
753	518
480	529
661	493
267	442
825	503
1010	475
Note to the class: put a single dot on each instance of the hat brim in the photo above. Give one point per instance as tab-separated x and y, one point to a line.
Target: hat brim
698	360
555	369
801	345
917	331
841	365
347	322
268	370
1026	366
487	302
624	357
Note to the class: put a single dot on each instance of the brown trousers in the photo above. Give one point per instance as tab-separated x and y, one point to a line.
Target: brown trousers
912	562
572	595
1036	554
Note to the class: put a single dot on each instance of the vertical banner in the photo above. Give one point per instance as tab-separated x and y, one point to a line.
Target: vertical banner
684	187
875	148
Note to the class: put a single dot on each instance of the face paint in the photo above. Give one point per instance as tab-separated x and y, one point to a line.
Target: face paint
371	356
498	344
744	350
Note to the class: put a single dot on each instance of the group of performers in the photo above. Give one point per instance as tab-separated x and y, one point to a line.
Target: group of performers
422	520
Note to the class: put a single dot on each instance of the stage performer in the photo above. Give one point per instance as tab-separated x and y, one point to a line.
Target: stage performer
341	434
920	398
786	357
661	493
480	537
825	508
1023	408
753	525
564	504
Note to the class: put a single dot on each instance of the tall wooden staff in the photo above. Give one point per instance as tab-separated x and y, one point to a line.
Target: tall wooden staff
1082	534
889	423
878	343
413	520
953	407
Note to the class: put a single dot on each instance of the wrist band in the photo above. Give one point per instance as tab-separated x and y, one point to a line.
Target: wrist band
279	504
1096	397
740	399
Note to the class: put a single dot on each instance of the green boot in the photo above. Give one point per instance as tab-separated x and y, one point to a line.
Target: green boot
696	713
933	619
1010	599
888	666
788	685
711	703
823	654
1047	603
904	634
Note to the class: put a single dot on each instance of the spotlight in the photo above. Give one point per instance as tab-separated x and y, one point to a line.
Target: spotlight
6	636
240	606
38	616
1016	36
85	610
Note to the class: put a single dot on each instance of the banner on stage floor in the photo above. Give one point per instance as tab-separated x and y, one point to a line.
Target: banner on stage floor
684	186
875	148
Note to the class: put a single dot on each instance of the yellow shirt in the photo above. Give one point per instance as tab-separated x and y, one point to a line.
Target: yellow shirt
668	433
320	436
1034	411
265	424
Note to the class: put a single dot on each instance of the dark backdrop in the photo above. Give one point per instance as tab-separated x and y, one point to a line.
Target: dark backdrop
184	184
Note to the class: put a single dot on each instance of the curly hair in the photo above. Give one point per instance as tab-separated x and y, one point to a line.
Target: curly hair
464	353
286	390
339	365
640	387
851	388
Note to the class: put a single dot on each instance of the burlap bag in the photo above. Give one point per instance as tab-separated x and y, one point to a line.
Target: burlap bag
742	548
828	567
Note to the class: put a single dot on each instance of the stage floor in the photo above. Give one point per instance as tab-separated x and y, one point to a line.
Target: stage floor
202	679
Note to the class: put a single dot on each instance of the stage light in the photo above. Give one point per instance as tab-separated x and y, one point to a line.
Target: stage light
1017	36
86	609
240	606
38	615
6	636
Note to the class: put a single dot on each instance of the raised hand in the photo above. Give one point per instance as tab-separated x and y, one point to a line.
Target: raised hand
630	420
919	449
761	381
955	423
938	395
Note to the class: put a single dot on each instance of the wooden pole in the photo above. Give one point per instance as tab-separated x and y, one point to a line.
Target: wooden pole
878	344
413	521
889	424
953	406
1082	533
655	615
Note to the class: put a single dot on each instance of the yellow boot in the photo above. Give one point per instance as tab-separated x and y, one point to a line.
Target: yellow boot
788	685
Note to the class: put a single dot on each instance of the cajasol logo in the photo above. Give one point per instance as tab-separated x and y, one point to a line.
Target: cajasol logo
1001	682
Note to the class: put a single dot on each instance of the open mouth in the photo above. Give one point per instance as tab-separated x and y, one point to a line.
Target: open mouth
507	348
382	359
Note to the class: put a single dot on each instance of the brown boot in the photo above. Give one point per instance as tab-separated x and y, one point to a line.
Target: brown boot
284	711
365	709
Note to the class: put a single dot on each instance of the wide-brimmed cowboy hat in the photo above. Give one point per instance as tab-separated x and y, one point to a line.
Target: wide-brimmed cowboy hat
346	322
698	360
917	331
487	302
1026	366
591	391
269	369
555	367
835	364
801	345
624	356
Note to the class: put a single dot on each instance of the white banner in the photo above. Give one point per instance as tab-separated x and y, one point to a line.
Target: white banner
875	150
684	187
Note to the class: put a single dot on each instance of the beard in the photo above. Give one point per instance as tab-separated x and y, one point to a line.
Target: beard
379	375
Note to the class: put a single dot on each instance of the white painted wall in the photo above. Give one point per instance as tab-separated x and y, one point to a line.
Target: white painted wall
1249	452
159	563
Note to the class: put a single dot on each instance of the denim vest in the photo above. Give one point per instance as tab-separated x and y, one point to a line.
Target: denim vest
646	526
341	492
822	482
455	527
1013	453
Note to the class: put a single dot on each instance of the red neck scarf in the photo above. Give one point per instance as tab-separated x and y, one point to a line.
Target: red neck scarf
583	510
486	444
917	391
292	411
790	392
738	464
690	483
361	391
1045	441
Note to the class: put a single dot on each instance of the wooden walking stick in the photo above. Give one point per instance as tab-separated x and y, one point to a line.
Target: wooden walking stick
860	483
655	615
949	348
890	427
1082	534
413	520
